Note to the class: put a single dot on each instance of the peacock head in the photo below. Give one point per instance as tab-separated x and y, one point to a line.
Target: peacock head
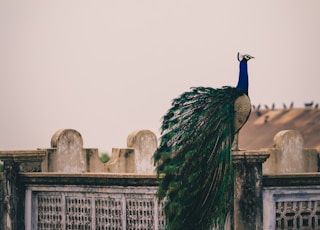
244	57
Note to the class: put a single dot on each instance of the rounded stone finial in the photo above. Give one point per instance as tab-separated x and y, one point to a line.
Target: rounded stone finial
68	154
142	137
67	136
291	157
144	143
286	138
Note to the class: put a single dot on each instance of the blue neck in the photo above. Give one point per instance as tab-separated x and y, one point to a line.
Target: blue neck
243	83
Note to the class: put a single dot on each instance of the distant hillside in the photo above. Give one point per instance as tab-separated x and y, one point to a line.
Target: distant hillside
262	126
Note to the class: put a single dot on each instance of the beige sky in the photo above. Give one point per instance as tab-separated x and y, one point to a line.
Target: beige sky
107	68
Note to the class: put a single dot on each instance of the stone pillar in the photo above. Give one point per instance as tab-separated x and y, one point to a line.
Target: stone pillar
15	162
248	210
11	170
144	143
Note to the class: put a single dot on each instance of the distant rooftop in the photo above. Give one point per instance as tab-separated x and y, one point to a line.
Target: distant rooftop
262	126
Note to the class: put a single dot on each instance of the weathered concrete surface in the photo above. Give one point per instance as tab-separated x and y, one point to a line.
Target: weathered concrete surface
144	143
11	189
248	201
289	155
94	164
29	160
290	201
122	161
68	154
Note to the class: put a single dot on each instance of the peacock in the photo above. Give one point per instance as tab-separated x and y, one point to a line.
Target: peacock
194	154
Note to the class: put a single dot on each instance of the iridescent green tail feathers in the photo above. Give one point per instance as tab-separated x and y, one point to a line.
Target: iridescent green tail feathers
195	158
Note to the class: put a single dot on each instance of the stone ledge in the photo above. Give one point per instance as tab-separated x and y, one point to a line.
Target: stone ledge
23	155
252	156
292	179
125	179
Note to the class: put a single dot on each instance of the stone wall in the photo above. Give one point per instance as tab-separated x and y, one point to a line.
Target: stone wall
290	176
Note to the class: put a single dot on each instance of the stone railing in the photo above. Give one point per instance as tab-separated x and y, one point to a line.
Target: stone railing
67	186
65	158
291	201
91	201
291	184
54	200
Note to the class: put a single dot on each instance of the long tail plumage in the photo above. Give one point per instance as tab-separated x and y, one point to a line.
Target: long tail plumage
195	157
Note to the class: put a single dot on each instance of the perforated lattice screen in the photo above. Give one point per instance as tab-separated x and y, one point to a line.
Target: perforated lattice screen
108	213
298	215
78	213
140	213
96	210
49	212
161	217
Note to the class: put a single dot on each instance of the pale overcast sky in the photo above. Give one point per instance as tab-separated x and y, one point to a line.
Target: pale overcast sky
107	68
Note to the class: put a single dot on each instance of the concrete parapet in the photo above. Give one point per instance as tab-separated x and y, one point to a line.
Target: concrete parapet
122	161
27	160
68	155
137	157
289	155
94	164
